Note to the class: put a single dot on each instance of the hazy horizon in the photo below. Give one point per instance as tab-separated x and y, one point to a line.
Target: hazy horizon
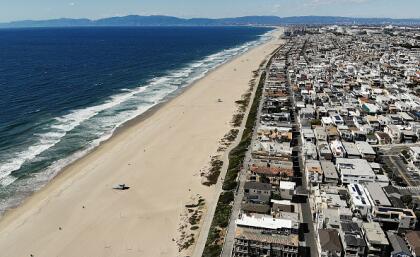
98	9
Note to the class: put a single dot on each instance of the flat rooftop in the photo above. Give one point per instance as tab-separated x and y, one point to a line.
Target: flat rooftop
377	194
351	148
374	233
329	169
354	167
288	185
263	221
365	148
259	236
358	195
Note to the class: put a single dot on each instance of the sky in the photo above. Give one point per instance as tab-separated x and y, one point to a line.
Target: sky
11	10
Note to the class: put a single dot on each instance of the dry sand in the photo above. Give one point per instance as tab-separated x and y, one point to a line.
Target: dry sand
160	157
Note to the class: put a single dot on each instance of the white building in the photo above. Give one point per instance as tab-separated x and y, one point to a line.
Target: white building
394	132
337	149
287	189
359	200
415	155
354	171
265	222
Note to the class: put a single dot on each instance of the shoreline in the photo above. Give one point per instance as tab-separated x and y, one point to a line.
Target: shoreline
180	91
77	171
135	120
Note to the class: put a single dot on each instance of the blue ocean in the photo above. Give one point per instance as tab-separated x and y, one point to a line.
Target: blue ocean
63	91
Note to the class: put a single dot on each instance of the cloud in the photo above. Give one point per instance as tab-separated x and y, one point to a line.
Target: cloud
72	4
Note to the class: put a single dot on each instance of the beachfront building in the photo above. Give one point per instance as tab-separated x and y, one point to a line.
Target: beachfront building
257	192
273	171
271	150
263	235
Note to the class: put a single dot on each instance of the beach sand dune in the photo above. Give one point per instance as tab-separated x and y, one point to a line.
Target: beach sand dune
159	157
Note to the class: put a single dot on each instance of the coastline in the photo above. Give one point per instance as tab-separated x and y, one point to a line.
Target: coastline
149	112
17	222
57	167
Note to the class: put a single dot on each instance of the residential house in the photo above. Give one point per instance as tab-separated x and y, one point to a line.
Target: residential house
366	150
394	218
324	151
330	243
413	241
359	200
287	189
337	149
383	138
257	192
263	235
394	133
415	155
352	238
314	171
398	245
376	195
377	243
354	171
351	150
330	173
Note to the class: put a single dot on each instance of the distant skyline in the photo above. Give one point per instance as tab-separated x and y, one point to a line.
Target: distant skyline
13	10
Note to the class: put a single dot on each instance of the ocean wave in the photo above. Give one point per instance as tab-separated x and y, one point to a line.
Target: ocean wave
103	119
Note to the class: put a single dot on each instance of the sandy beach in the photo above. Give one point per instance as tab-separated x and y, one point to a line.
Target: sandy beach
159	157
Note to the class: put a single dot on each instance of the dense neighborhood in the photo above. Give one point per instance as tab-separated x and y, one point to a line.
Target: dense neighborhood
333	167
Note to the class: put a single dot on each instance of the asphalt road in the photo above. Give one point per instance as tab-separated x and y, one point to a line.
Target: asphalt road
398	166
310	239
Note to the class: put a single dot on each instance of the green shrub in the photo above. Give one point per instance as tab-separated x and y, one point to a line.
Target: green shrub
213	247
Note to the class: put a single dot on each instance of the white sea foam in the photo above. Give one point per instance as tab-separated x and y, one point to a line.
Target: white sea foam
104	118
59	129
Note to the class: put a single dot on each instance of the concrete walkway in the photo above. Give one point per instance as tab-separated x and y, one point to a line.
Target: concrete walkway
230	236
205	228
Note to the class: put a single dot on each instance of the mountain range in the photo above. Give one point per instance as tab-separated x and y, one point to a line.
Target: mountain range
160	20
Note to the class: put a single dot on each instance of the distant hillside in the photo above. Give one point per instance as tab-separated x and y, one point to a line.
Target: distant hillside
347	20
158	20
